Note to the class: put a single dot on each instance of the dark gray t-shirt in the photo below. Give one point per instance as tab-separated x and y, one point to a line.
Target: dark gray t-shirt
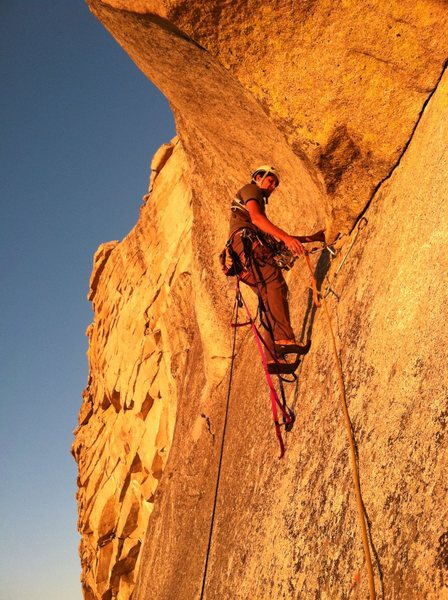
240	216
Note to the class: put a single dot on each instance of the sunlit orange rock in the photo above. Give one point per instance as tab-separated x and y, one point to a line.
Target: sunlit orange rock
349	101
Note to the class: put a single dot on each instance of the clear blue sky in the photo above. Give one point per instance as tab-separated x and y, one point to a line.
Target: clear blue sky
79	125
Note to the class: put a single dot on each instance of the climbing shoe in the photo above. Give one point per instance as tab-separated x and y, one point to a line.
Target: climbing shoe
292	347
281	367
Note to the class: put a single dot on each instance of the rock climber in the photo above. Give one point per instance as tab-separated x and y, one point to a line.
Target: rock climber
248	224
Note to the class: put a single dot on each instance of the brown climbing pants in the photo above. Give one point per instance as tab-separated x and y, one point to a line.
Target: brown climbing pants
266	280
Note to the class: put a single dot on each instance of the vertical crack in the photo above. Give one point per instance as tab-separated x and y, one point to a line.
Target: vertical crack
406	146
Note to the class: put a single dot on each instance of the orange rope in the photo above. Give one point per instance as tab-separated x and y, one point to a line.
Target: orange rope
355	473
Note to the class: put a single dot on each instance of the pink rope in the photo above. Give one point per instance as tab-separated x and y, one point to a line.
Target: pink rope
275	401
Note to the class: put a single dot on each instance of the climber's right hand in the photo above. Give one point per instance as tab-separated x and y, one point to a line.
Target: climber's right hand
293	244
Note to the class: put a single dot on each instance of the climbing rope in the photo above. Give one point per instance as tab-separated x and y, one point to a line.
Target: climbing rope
287	414
348	425
221	453
354	464
362	223
288	418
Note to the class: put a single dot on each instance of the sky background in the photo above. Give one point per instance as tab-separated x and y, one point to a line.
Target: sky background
79	126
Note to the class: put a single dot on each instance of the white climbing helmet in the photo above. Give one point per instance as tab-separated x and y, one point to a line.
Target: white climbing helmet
266	170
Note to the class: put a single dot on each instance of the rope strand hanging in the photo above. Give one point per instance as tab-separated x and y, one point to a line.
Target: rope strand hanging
318	300
348	426
221	452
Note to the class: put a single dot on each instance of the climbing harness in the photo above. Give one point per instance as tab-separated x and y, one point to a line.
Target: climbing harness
281	255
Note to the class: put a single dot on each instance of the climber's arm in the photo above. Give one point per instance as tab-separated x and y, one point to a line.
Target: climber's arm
262	222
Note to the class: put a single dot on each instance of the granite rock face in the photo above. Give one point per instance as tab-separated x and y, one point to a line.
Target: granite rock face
343	83
135	354
350	102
